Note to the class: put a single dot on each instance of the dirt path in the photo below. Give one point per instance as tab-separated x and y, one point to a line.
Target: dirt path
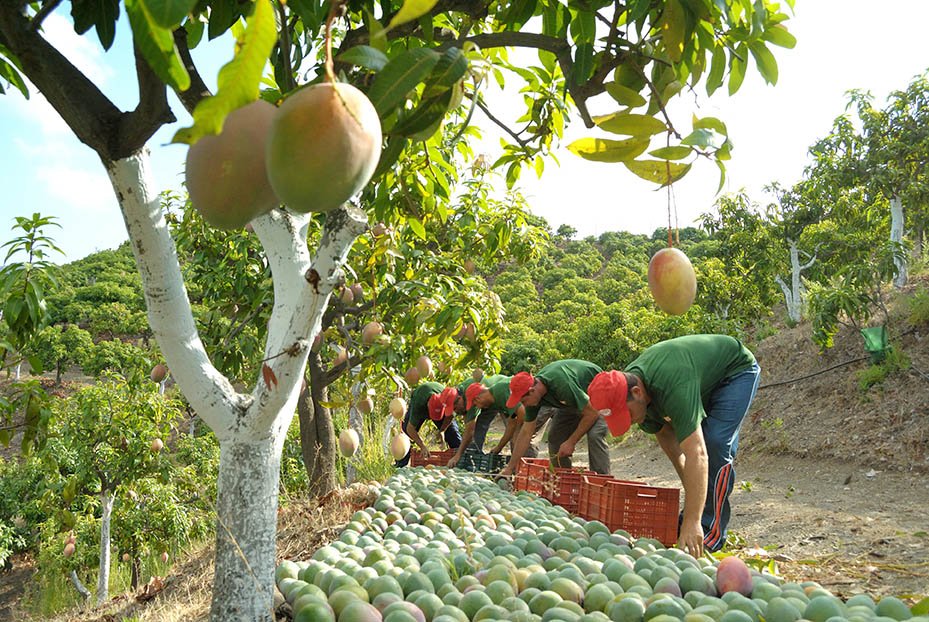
851	529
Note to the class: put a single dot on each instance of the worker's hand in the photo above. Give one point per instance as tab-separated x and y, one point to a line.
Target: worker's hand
424	451
507	471
566	449
453	461
496	450
690	538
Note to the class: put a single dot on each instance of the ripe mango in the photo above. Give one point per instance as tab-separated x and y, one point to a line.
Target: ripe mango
227	175
323	146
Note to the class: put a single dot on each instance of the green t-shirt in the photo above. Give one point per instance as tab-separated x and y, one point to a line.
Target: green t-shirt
473	413
681	373
567	383
499	387
419	402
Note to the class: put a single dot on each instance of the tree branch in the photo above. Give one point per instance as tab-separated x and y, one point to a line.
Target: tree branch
42	13
198	89
153	111
92	117
501	124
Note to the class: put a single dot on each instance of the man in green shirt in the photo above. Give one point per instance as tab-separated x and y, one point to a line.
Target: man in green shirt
692	393
477	420
435	402
560	390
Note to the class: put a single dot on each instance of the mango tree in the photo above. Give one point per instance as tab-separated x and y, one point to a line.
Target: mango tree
415	62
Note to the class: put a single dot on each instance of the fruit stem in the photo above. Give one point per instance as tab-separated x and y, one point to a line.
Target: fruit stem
336	9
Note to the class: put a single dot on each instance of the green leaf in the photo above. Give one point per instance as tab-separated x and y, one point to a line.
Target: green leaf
106	27
390	154
624	95
424	116
630	124
921	608
671	153
194	28
662	173
764	59
704	138
778	35
672	25
223	14
9	73
583	63
518	13
717	68
169	13
417	226
364	56
737	66
555	19
712	123
411	9
450	69
584	27
722	175
399	76
157	46
604	150
238	80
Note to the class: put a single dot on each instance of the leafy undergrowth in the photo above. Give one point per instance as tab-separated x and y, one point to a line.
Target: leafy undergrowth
183	595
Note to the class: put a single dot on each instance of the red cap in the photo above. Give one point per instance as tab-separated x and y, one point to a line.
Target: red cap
472	392
608	392
442	404
519	386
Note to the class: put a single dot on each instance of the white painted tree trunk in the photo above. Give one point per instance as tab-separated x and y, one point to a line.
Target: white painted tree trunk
103	577
794	293
896	235
250	427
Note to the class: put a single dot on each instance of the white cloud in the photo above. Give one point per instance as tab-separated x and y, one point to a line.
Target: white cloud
86	190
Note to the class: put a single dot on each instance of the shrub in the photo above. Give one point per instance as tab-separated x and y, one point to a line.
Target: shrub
895	361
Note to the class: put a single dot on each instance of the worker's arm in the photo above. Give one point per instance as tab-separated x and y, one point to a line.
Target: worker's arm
512	424
413	433
522	444
692	464
466	437
588	419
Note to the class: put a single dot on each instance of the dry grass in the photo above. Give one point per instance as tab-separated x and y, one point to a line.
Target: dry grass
184	594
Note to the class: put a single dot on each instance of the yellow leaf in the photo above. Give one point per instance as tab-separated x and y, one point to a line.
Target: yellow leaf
411	9
604	150
659	172
630	124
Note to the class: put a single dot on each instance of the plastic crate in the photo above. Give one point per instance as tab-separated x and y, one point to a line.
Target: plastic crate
593	500
643	511
562	486
534	472
490	463
436	458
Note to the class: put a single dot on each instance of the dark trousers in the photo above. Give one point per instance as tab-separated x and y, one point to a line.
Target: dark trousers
481	426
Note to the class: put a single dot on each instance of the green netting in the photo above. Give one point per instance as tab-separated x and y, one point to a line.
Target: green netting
875	342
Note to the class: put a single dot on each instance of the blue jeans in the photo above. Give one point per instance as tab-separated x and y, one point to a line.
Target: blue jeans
727	407
452	438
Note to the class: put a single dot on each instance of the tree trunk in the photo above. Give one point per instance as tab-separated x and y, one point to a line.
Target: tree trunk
317	436
135	573
103	578
896	235
793	293
251	428
246	529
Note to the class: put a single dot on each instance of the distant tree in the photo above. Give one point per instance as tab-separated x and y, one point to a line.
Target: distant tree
60	346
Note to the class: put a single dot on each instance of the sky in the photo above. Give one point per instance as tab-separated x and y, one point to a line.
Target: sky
841	45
